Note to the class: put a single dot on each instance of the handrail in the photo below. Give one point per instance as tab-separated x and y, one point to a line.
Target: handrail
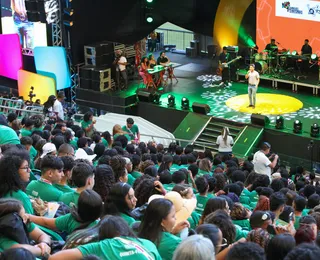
172	30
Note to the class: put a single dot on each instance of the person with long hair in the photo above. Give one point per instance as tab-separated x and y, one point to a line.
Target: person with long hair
152	61
117	131
88	124
113	239
212	205
14	174
225	142
104	179
48	106
166	163
143	69
205	166
159	226
85	215
120	202
20	234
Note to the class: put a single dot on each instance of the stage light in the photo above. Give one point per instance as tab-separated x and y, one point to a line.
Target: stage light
313	56
294	52
149	1
68	11
185	103
171	101
297	127
149	18
68	23
315	130
156	98
279	122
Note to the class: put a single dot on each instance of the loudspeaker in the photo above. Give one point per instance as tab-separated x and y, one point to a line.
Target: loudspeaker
145	96
261	120
200	108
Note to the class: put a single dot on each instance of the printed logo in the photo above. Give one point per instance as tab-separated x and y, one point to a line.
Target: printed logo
314	10
291	9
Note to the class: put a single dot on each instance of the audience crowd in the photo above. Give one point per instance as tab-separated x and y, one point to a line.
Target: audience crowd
69	192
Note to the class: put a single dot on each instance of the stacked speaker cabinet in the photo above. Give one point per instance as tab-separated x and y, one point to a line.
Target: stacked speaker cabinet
100	54
95	78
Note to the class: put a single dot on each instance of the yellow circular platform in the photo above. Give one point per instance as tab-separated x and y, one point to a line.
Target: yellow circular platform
266	104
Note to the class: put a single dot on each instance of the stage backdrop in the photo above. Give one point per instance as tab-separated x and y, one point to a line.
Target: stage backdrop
289	22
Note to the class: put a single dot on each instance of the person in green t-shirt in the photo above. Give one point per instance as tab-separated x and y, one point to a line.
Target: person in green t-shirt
175	164
299	205
14	172
240	216
27	142
212	205
121	201
117	131
51	173
205	166
85	215
203	196
83	179
27	128
68	164
88	124
106	138
116	242
8	135
9	209
132	130
159	226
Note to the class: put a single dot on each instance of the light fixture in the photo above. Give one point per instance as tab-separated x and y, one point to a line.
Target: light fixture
279	122
68	23
297	127
315	130
149	17
294	52
171	101
185	103
149	1
68	11
156	98
313	56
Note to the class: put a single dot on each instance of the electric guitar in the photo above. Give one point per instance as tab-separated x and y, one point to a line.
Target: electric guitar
226	65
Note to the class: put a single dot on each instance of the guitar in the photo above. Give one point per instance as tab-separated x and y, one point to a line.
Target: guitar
226	65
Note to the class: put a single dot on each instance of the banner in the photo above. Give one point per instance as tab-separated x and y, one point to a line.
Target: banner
51	8
298	9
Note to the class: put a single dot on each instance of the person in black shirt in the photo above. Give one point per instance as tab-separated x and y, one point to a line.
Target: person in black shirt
272	47
306	48
163	59
224	57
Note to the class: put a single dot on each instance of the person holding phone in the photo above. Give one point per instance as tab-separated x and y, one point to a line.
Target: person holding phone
253	78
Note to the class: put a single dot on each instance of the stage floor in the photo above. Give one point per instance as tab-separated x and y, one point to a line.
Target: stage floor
195	85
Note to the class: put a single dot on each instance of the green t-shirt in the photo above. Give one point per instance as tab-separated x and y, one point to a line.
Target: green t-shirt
25	132
70	198
126	135
74	143
169	187
131	179
202	202
240	233
133	131
44	191
63	188
8	135
305	212
23	198
124	248
68	224
128	219
85	125
6	243
244	224
33	153
174	167
194	219
201	173
168	245
105	142
38	128
136	175
297	222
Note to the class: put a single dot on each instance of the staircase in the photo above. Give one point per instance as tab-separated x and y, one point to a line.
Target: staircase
207	139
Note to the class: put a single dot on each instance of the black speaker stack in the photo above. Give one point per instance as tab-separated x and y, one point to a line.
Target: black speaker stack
95	78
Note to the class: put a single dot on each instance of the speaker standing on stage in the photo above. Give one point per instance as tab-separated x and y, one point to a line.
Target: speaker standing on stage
122	67
306	48
254	80
223	59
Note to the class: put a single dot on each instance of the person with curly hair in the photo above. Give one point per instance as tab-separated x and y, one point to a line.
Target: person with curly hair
212	205
14	173
104	180
118	165
220	182
38	122
145	164
260	237
248	251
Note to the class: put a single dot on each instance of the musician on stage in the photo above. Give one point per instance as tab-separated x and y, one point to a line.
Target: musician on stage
224	57
253	82
306	48
272	46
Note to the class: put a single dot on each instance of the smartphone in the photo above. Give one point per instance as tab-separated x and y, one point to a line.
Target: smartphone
291	217
271	230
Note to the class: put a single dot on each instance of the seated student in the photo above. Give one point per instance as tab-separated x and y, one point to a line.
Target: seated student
175	164
118	165
277	203
166	163
14	173
203	196
68	164
106	139
85	215
121	201
27	142
103	180
240	216
260	219
159	226
247	250
178	177
51	173
12	211
66	150
205	166
83	179
27	128
136	160
99	151
299	205
116	241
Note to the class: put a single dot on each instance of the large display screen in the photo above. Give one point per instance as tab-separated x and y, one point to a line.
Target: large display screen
14	20
289	23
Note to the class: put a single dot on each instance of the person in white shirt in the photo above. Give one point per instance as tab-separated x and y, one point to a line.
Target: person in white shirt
262	163
254	80
122	62
225	142
57	106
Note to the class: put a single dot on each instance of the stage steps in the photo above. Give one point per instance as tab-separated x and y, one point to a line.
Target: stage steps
208	137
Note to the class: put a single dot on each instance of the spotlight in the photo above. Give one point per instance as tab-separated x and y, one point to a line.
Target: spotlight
297	127
149	1
149	18
314	56
315	130
294	52
171	101
68	23
279	122
68	11
185	103
156	98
